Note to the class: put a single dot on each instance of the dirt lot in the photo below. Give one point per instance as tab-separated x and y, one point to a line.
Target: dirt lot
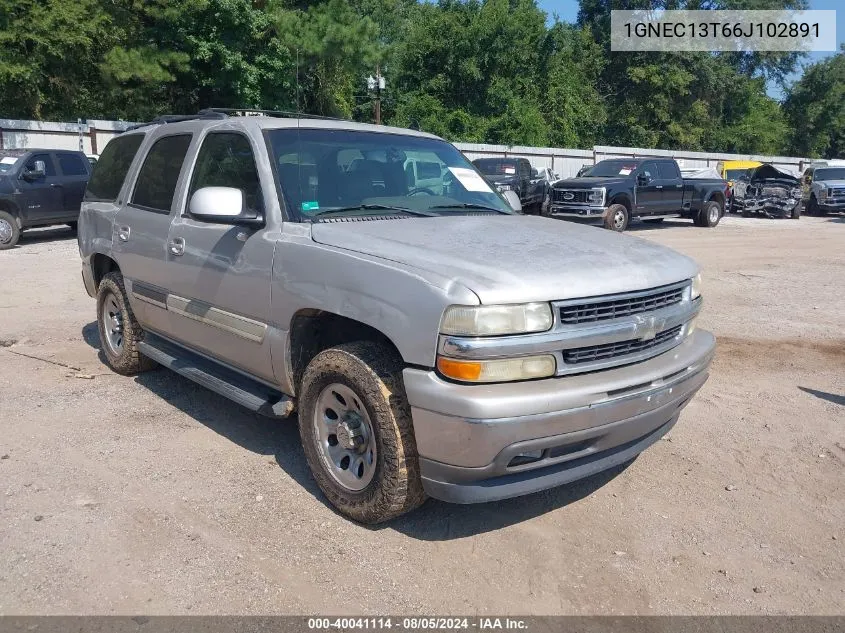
152	495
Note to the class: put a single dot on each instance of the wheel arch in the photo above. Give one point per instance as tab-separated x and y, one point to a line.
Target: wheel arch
10	207
101	265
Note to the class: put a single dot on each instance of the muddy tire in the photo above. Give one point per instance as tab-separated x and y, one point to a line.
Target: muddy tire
120	333
616	218
356	431
709	215
10	233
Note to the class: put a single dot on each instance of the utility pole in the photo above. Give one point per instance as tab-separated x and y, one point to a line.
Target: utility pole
376	84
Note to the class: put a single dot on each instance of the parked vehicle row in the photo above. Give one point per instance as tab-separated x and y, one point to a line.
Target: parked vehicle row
39	187
433	341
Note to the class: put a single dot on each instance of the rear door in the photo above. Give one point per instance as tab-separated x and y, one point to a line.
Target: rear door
220	279
42	196
73	176
673	186
142	225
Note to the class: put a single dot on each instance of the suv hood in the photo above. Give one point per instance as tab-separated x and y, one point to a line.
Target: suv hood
511	259
588	182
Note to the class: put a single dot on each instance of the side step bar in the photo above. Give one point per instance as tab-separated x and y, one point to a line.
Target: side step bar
231	384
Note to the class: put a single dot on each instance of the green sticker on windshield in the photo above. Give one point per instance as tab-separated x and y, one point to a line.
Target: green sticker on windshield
310	205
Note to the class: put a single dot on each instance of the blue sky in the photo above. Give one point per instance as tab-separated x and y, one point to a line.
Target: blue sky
567	10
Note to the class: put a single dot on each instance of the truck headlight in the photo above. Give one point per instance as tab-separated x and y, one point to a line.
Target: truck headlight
496	320
596	195
502	370
823	194
695	291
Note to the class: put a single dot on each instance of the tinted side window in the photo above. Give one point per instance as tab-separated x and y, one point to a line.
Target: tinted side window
669	169
158	176
111	169
50	169
72	165
650	169
226	160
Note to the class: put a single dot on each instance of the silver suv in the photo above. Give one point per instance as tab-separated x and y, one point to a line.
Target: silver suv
434	342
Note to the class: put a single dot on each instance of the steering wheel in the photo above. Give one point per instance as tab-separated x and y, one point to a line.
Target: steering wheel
417	190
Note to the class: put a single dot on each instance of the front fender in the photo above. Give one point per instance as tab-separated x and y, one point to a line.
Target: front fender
402	303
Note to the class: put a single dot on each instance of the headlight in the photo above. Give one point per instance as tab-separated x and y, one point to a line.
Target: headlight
823	193
496	320
596	195
503	370
696	287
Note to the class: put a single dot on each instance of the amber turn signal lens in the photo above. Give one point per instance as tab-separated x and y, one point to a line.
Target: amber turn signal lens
459	369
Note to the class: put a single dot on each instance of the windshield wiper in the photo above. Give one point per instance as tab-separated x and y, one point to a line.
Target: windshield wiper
373	207
468	205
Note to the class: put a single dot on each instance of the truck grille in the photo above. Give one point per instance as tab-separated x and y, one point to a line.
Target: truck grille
605	309
578	195
837	192
623	348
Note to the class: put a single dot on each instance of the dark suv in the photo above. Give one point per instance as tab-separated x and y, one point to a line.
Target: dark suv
39	187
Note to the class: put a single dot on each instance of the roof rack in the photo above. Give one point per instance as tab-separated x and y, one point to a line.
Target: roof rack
176	118
282	114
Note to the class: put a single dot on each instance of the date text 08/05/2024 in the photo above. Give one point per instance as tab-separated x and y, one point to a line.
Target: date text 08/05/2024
417	623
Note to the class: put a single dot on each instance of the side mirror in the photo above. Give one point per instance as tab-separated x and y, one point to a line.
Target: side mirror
223	205
535	174
38	171
643	179
513	200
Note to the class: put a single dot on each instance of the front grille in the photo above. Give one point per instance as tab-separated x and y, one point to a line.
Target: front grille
838	192
612	350
579	195
605	309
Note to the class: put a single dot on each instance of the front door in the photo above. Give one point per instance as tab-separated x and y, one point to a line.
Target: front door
219	287
41	196
649	191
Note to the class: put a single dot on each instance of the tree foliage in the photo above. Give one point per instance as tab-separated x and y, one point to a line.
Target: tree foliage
495	71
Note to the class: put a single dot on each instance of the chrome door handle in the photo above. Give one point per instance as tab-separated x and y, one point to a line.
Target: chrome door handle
123	233
177	246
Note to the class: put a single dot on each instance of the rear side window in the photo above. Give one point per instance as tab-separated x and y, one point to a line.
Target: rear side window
111	169
72	165
226	160
669	169
160	172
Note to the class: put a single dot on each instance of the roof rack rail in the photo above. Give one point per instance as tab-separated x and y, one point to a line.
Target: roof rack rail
282	114
176	118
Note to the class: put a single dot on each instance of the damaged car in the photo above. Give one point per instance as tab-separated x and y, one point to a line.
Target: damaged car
770	191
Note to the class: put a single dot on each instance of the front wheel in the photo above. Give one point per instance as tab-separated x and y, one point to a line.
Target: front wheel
616	218
356	431
10	233
796	212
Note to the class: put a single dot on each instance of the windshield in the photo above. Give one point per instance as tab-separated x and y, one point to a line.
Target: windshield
350	172
495	166
608	168
735	174
830	174
7	162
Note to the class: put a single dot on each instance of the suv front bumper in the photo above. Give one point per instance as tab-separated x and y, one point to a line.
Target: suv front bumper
471	438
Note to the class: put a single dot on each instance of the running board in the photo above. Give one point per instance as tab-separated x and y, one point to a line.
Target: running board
228	383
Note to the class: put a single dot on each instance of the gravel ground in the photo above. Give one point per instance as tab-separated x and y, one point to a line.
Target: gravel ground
152	495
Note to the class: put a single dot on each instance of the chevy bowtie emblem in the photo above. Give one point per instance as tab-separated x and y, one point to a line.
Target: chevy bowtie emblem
568	195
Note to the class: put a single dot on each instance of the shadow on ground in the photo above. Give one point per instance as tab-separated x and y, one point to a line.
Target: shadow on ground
824	395
54	233
435	521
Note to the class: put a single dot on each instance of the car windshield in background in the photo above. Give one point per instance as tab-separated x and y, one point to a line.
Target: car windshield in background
7	162
608	168
351	172
495	166
735	174
830	174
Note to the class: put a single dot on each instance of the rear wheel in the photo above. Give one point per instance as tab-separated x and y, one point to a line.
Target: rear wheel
120	333
10	233
616	218
709	215
356	431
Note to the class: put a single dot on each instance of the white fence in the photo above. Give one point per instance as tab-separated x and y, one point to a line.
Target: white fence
91	137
